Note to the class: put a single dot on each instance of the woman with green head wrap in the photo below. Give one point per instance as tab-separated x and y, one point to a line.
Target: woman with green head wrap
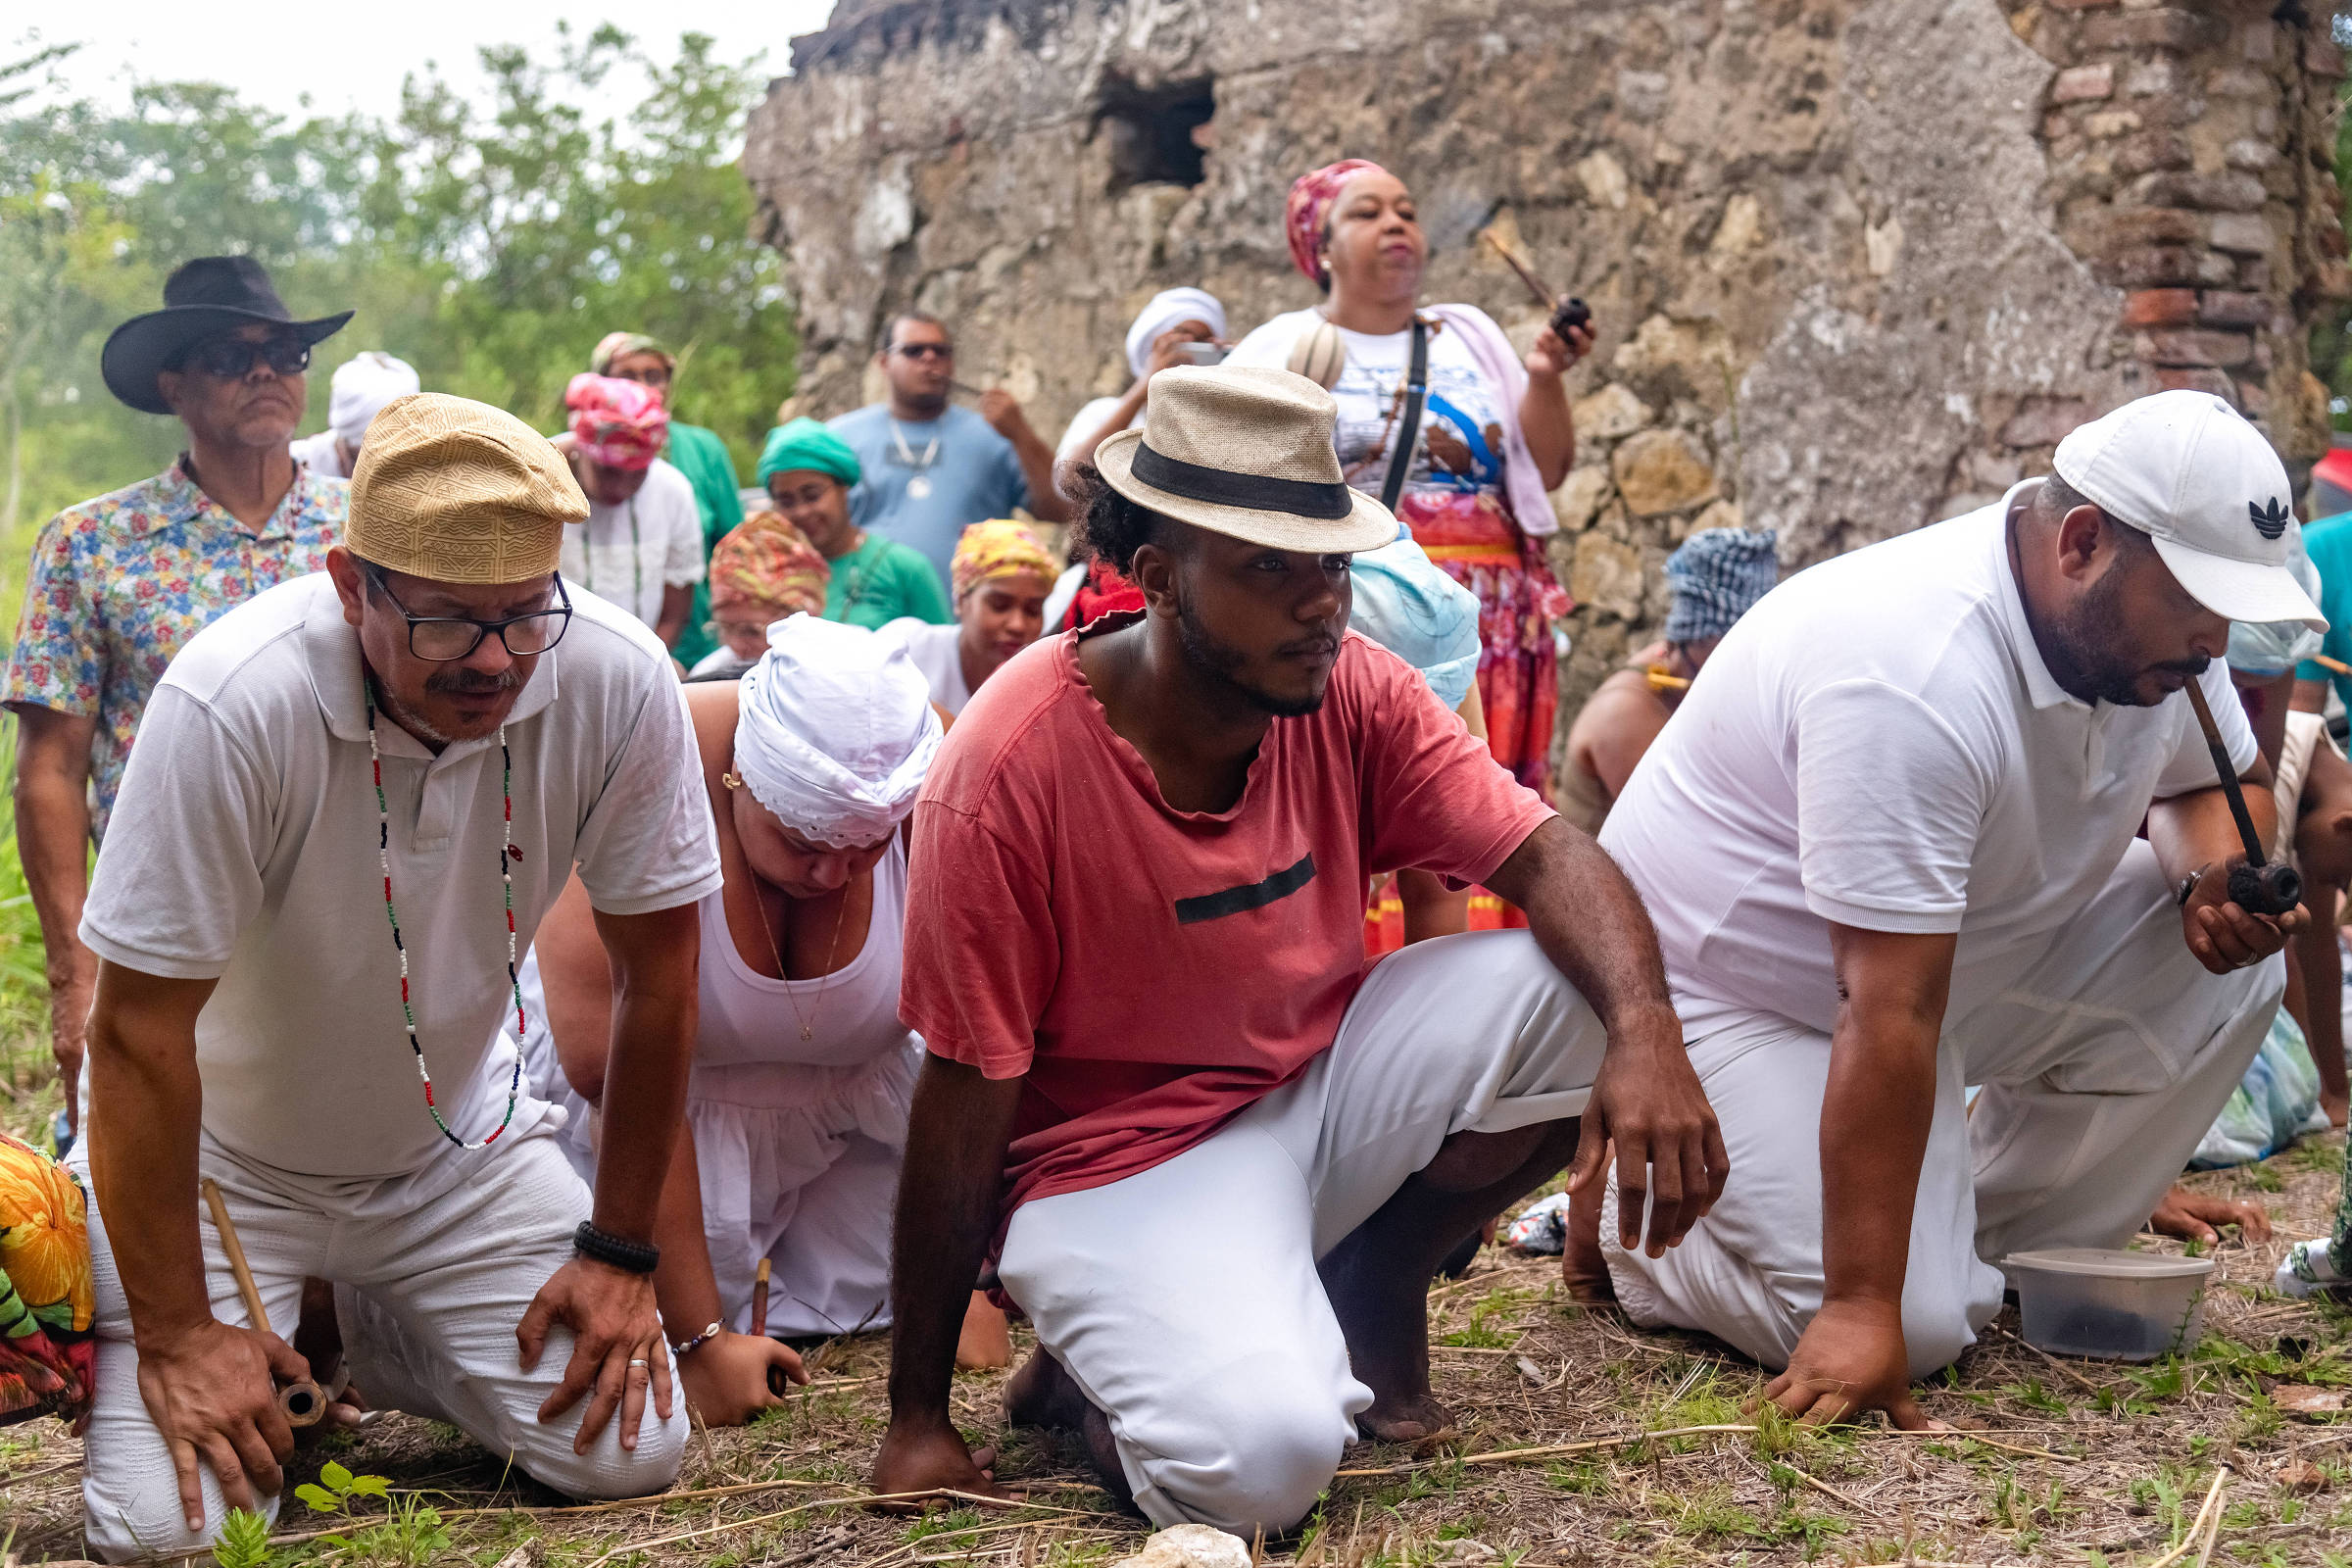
806	470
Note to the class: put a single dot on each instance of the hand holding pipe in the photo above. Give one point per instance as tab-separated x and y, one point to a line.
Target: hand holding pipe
303	1401
2254	886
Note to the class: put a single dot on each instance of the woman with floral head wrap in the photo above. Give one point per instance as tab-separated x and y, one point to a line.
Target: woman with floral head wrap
642	545
1002	577
1494	434
695	452
806	471
797	1104
761	573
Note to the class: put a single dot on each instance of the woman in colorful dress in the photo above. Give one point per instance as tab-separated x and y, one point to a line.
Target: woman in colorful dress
1494	437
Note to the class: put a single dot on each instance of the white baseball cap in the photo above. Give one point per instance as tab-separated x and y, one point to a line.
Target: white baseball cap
2187	470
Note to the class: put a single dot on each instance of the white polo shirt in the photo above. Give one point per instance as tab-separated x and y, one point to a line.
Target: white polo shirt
1879	743
244	849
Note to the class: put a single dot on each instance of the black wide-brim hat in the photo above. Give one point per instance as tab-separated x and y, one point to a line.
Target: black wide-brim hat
202	299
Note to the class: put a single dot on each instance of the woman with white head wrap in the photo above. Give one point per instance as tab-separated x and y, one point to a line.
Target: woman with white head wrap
1176	327
797	1102
363	384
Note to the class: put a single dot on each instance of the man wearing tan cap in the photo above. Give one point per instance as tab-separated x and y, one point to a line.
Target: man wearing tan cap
351	801
1216	1161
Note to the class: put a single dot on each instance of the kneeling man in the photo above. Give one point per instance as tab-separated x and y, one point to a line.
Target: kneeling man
1890	845
352	799
1218	1162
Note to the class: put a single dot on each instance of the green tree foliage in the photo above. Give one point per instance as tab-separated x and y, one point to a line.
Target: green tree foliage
490	242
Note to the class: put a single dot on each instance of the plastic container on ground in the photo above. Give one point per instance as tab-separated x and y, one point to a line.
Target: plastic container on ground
2109	1305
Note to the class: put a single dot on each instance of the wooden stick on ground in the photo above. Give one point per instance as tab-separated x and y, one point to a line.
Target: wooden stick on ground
303	1401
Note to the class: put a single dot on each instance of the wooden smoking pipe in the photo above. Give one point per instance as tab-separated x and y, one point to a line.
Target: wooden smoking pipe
2254	886
777	1383
303	1401
2335	664
1565	314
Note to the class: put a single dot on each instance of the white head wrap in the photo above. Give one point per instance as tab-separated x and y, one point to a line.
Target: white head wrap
2272	648
362	387
1413	610
835	731
1168	306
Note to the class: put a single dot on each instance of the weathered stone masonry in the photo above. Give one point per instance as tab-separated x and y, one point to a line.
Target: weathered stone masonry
1856	264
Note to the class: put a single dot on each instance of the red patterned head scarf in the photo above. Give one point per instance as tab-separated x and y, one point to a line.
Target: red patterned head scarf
618	423
1312	196
766	559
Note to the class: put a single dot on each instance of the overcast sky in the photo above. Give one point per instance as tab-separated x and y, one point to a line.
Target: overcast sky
276	51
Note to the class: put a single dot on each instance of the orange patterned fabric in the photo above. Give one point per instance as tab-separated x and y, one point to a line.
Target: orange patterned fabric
46	1295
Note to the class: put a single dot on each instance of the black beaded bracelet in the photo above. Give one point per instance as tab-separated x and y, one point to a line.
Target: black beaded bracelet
637	1257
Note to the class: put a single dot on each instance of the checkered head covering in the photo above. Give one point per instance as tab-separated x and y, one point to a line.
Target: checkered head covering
1717	575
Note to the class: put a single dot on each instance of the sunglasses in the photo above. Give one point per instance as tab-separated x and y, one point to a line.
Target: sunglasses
926	351
230	359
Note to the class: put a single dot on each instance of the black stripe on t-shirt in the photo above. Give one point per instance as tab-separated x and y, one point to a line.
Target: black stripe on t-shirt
1256	896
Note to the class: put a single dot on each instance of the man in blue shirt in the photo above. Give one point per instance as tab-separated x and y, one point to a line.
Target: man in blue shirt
932	469
2329	543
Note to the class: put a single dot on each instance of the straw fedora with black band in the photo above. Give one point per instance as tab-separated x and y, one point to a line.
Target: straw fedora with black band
1245	451
202	299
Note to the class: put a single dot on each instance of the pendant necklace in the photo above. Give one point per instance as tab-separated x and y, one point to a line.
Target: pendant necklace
919	487
508	855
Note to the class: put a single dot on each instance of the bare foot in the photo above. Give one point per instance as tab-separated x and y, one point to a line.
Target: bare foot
2334	1104
2197	1217
1041	1394
1383	1313
1584	1272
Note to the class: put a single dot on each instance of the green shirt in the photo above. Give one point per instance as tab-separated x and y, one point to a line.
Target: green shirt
701	457
881	580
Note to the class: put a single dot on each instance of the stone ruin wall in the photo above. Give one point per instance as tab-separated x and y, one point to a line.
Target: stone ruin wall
1856	264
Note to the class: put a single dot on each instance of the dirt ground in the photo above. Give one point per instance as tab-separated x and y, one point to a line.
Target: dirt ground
2071	1462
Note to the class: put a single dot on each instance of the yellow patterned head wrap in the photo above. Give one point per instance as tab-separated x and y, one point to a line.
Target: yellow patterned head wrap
998	548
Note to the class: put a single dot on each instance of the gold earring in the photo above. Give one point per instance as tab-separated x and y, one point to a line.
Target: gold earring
731	779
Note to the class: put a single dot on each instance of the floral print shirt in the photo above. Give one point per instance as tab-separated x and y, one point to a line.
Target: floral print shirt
121	584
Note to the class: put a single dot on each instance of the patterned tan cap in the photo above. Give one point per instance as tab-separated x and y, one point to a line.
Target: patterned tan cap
458	490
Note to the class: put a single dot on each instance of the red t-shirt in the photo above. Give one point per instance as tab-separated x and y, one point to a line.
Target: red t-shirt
1155	971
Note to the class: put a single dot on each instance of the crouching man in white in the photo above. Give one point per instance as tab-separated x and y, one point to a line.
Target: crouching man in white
289	929
1888	844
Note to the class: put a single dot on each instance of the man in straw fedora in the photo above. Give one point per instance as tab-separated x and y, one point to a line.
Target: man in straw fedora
1214	1159
351	801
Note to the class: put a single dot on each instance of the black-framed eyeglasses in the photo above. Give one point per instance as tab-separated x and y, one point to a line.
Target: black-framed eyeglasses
446	639
231	359
926	351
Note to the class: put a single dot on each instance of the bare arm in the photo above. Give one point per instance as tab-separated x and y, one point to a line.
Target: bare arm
1545	420
677	602
1590	922
207	1384
1626	730
653	961
1003	412
957	1135
53	839
1875	1114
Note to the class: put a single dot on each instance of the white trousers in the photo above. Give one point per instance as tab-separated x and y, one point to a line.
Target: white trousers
429	1292
2103	1061
1184	1300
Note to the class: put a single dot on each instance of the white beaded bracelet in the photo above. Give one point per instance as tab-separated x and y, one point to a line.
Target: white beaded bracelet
697	1343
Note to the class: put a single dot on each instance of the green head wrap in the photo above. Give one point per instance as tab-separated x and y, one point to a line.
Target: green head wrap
807	444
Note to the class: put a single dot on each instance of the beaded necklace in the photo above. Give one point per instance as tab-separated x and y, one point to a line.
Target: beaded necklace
507	855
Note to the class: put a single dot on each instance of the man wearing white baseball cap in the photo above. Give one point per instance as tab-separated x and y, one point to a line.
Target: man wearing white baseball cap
1890	847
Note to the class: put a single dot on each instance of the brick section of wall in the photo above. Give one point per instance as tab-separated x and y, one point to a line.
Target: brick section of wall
2190	163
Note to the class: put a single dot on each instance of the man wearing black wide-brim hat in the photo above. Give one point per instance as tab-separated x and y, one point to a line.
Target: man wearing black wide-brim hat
119	583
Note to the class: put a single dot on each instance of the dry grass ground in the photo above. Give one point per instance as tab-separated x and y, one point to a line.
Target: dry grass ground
2073	1463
